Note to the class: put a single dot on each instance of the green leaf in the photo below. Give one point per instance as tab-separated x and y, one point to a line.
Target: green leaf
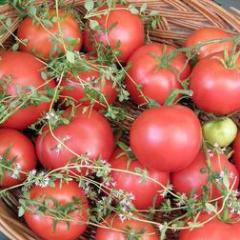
32	11
94	25
3	2
143	8
89	5
21	211
44	75
210	208
8	22
226	182
133	9
154	13
15	46
70	56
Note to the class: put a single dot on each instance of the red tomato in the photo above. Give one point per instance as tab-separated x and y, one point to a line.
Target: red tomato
74	87
88	134
208	34
216	88
43	40
167	138
191	179
213	230
114	229
20	71
21	152
236	149
118	26
43	223
156	81
135	184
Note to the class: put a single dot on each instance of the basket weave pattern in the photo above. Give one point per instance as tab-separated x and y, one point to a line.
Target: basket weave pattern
179	18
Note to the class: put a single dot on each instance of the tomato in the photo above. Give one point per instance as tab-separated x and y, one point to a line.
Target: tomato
20	73
216	87
118	26
42	223
214	230
73	87
15	147
192	179
167	138
236	151
221	132
136	184
115	229
208	34
87	134
156	75
45	40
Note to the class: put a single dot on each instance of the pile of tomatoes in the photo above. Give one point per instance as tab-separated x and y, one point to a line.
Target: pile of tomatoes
172	150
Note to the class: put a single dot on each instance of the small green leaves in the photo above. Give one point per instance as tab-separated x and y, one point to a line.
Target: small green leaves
143	8
32	11
89	5
210	208
94	25
15	46
132	8
70	56
143	173
21	211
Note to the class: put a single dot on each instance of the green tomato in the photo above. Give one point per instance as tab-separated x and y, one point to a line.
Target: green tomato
220	132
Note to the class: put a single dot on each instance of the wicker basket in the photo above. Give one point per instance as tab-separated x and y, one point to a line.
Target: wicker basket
179	18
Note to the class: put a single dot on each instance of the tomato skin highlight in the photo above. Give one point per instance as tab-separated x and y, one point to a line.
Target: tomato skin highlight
20	147
156	82
88	133
42	224
191	178
208	34
73	87
167	138
24	71
210	80
40	40
135	184
118	26
114	222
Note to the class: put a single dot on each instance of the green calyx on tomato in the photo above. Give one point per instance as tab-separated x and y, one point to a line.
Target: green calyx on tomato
220	132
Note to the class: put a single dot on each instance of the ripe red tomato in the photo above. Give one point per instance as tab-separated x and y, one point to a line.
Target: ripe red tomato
61	194
16	147
88	134
213	230
216	88
74	87
118	26
43	40
236	149
114	229
167	138
19	72
208	34
135	184
192	179
156	76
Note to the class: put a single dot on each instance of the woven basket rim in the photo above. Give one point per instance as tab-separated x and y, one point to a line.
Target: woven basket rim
179	18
